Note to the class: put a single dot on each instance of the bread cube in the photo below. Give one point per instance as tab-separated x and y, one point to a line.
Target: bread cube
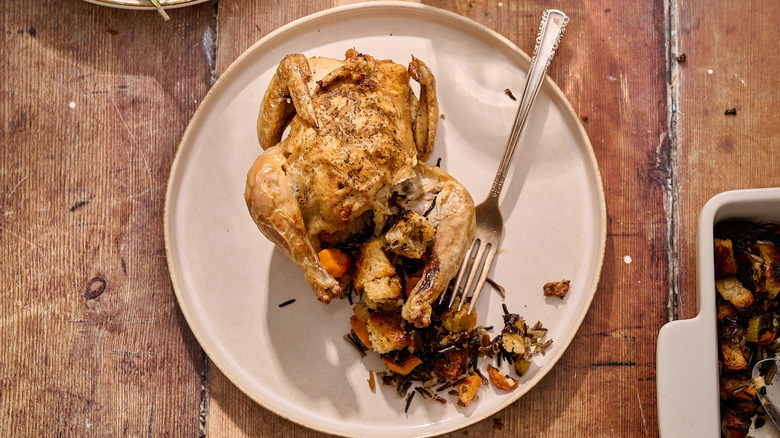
409	236
770	268
734	292
376	278
388	332
725	262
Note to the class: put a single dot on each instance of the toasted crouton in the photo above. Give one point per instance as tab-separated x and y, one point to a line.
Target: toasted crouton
725	262
388	332
383	293
770	267
733	359
733	291
456	321
372	263
726	310
376	278
409	236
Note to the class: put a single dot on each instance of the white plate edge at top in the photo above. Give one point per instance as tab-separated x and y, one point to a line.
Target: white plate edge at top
449	18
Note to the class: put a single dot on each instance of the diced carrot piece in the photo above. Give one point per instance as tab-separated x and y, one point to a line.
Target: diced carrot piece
737	388
360	330
501	381
404	367
766	338
468	389
335	261
748	393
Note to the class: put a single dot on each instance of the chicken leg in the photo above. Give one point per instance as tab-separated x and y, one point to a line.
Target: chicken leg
274	208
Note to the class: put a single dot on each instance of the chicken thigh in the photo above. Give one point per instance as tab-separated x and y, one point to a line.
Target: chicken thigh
357	138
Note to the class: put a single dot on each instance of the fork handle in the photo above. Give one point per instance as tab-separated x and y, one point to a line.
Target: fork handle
550	33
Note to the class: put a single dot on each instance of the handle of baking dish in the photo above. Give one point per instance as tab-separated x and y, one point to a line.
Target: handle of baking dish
687	352
686	378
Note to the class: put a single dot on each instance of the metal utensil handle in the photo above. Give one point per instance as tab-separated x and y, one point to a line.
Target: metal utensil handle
550	33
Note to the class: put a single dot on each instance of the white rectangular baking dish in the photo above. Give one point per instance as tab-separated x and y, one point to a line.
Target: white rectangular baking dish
687	355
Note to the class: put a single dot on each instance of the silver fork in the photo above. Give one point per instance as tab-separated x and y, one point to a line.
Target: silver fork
490	225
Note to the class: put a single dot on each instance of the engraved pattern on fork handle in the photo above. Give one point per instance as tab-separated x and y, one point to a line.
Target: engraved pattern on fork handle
551	30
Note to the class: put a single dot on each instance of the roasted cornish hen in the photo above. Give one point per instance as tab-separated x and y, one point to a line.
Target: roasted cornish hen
353	165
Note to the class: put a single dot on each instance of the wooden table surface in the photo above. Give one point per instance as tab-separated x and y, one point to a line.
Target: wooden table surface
94	101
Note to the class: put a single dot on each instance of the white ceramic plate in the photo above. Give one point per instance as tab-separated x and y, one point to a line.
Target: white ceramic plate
230	280
144	4
687	359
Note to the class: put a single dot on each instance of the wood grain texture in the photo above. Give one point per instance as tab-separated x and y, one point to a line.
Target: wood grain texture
94	101
732	63
93	104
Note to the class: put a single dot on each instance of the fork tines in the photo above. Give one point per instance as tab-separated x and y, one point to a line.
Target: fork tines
478	258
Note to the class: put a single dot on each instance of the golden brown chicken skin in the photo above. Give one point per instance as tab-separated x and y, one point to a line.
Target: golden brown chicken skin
357	134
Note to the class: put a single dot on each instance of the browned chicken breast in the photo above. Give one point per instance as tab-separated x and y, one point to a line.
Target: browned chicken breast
357	138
